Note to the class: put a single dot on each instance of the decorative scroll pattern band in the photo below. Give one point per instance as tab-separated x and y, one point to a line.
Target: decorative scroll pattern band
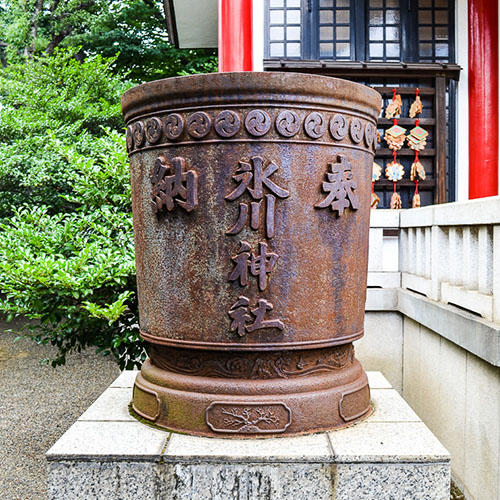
262	365
254	124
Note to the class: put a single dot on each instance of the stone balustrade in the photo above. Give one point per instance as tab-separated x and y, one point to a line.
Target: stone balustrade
384	275
449	253
432	327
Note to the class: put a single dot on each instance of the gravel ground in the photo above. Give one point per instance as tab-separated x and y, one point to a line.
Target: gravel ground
37	405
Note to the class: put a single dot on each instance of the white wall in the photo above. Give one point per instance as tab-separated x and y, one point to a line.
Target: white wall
258	34
381	348
457	395
462	137
196	23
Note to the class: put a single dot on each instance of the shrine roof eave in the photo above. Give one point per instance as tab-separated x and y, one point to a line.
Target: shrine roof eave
191	26
357	68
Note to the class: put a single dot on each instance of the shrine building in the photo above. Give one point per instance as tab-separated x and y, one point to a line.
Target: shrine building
447	49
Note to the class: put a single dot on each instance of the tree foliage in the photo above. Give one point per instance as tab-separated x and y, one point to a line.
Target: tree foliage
136	31
29	26
132	30
52	94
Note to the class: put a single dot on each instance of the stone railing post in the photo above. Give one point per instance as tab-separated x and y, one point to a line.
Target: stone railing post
496	272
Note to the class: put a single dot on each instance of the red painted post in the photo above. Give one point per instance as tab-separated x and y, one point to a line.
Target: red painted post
235	35
483	98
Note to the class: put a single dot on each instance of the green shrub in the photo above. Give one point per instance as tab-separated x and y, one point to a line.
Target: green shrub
66	237
73	273
57	95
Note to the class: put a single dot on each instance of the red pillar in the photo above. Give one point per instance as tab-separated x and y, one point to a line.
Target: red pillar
483	98
235	35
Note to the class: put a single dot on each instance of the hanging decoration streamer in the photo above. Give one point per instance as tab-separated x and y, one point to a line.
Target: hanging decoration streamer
417	140
394	171
395	137
376	173
417	106
394	108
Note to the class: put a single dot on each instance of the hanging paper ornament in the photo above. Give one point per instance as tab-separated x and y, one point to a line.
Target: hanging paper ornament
396	202
417	138
417	170
376	172
415	202
416	106
394	171
394	107
395	137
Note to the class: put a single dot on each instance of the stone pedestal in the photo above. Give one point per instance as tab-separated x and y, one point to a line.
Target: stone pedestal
108	454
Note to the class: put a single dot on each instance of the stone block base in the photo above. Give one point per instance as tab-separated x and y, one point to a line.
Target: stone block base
107	454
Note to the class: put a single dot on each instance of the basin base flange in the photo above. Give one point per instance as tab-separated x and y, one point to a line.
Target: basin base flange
289	394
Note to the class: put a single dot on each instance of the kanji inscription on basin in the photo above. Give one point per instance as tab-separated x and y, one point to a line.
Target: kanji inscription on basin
340	187
173	185
258	264
253	177
246	319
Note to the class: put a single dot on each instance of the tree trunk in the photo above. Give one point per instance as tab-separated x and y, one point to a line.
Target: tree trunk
80	56
55	41
29	50
3	58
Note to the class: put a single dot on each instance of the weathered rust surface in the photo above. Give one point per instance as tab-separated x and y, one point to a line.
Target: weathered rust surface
251	198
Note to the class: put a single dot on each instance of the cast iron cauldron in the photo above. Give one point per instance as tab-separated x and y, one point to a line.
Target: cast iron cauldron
251	201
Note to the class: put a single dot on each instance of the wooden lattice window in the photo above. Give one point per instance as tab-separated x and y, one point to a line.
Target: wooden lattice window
434	25
385	44
384	30
360	30
284	28
334	29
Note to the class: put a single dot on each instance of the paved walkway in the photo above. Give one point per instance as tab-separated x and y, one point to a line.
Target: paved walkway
37	405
